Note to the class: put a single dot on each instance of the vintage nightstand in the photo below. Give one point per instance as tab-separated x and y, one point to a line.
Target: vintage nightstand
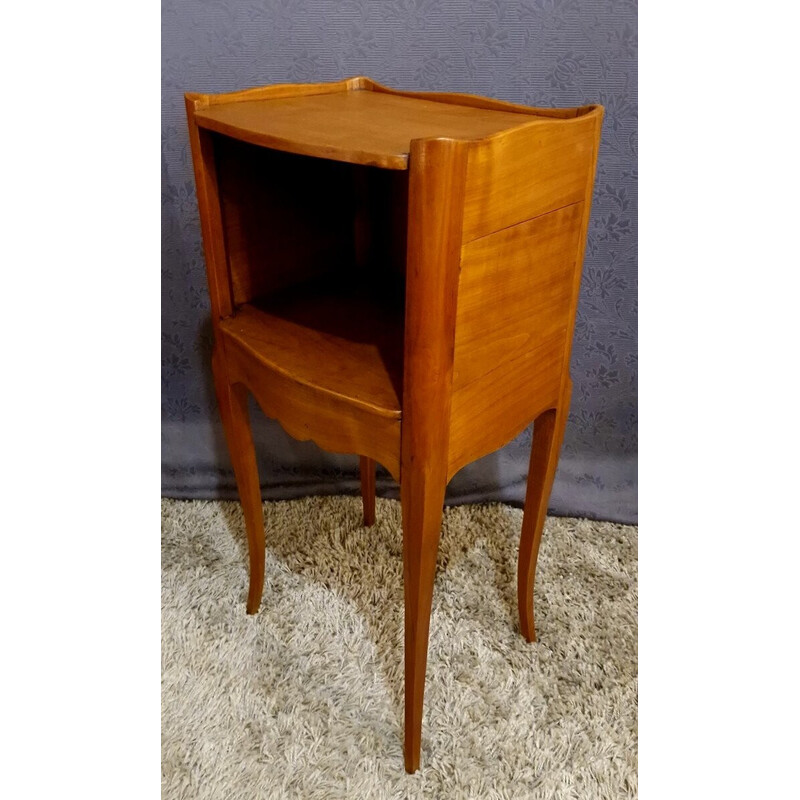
395	274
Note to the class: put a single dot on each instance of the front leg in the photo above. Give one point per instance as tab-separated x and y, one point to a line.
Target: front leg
422	499
232	400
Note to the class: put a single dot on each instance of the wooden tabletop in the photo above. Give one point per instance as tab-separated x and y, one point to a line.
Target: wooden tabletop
361	127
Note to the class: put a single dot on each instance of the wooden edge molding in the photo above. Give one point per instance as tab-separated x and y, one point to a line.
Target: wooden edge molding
363	83
307	414
208	203
476	101
582	239
277	91
330	394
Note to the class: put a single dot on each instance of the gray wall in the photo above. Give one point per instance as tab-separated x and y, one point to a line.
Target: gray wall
539	52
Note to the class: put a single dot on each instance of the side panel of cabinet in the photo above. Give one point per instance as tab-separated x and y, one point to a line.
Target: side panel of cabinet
527	201
520	174
511	330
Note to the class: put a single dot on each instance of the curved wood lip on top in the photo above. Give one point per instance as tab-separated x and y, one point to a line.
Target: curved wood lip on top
388	149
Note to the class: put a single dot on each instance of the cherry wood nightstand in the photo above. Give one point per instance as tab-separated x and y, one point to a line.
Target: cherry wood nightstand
395	274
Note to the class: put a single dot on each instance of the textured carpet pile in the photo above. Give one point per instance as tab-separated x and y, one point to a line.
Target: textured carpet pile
305	699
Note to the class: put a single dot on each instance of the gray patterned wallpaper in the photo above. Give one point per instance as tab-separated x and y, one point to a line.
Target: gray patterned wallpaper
539	52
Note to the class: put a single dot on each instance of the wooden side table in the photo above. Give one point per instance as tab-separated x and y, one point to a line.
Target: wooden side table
395	274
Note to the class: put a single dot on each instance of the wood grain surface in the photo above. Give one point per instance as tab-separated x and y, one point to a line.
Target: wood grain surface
395	275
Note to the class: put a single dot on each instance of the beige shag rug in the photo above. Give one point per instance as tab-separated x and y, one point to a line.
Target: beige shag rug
304	700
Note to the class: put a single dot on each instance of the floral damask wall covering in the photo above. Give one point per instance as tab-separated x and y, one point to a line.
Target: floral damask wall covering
538	52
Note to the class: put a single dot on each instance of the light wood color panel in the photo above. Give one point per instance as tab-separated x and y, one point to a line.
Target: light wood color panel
515	294
527	172
330	342
361	82
326	362
361	126
528	386
514	291
310	413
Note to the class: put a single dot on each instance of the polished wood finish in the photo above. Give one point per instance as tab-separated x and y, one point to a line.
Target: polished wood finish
232	401
360	127
395	274
528	171
548	435
366	470
337	343
327	365
207	187
514	297
470	100
436	198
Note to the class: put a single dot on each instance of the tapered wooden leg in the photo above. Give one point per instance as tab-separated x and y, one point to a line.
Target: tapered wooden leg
232	400
366	468
422	500
548	435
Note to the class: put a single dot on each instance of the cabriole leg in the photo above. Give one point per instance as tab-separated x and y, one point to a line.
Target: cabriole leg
548	435
232	400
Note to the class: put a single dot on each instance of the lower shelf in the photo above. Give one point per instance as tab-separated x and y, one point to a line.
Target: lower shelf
343	341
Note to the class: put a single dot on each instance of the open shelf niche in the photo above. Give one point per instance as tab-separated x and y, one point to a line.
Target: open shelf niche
316	251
